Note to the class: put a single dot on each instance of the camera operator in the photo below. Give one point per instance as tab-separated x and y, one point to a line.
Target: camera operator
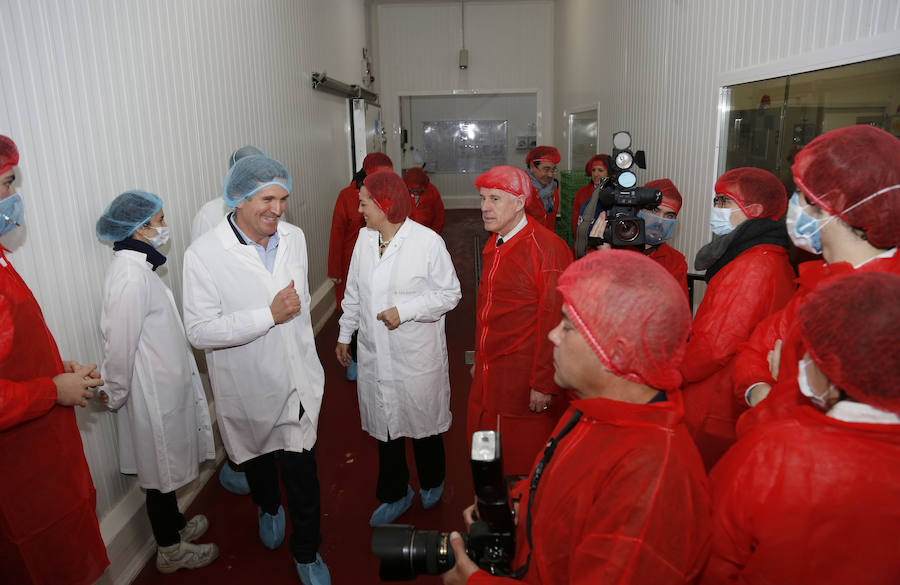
659	223
623	499
597	168
541	167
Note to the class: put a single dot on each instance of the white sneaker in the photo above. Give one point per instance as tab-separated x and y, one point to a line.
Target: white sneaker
185	555
194	529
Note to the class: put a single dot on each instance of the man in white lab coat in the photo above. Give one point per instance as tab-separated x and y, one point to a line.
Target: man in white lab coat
246	303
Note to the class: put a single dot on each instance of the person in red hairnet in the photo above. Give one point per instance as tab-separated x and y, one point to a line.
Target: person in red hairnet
619	494
513	389
541	165
346	222
659	223
48	522
748	277
814	496
597	168
847	208
428	209
400	285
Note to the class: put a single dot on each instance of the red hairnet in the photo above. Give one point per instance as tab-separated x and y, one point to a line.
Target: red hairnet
547	153
749	185
376	161
9	154
514	181
840	169
671	198
415	178
850	329
597	160
632	312
389	193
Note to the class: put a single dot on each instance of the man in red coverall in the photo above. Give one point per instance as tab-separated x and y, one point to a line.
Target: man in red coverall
346	222
541	164
597	168
847	208
749	277
48	523
659	223
622	495
517	306
428	209
814	496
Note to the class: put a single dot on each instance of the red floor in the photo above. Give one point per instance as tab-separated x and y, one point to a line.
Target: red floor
347	465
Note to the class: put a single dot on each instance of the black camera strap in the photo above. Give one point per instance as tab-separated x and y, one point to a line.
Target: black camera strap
532	488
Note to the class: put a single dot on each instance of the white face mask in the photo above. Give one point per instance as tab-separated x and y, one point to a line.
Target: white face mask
720	220
806	389
161	237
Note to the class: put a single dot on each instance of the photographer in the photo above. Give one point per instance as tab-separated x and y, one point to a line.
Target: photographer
659	224
623	498
597	168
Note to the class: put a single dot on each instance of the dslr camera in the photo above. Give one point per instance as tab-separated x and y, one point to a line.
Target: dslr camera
406	552
621	198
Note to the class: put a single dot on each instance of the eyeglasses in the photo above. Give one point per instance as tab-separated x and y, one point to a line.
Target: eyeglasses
551	170
721	201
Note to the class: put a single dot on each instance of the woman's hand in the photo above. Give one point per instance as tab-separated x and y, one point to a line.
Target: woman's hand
342	351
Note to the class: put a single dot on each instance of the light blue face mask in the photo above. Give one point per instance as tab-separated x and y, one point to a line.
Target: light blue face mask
720	220
657	229
805	230
12	213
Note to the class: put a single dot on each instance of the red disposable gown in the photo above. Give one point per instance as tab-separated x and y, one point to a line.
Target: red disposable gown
429	211
808	499
518	305
346	221
48	523
623	500
757	283
673	261
751	364
581	197
535	208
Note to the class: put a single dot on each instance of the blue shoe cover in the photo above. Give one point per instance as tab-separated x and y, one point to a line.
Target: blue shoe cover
351	371
387	513
314	573
271	528
234	481
431	496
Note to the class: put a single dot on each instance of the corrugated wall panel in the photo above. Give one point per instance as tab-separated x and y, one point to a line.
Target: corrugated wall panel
107	95
675	51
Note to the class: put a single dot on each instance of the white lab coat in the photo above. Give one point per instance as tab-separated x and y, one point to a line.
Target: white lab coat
260	372
403	383
209	216
151	378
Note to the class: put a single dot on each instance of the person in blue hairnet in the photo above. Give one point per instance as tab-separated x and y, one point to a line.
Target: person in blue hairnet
246	304
211	213
151	378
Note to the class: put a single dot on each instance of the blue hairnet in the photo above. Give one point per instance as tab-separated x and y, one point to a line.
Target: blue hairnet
244	151
126	213
250	174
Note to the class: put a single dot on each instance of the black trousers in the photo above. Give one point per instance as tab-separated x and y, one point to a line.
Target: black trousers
393	473
165	519
301	484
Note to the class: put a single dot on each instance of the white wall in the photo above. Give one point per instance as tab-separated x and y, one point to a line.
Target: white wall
106	95
510	46
675	55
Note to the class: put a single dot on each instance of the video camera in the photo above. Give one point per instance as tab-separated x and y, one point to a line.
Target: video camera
621	198
406	552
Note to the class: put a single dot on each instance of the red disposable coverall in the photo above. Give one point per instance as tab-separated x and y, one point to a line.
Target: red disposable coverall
581	197
430	209
673	261
535	208
808	499
623	500
757	283
751	364
346	221
48	522
517	306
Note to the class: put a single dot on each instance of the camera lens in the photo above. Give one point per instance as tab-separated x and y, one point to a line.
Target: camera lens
406	552
627	230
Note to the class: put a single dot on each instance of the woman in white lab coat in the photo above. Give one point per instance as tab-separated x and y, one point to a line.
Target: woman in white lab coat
400	284
151	378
